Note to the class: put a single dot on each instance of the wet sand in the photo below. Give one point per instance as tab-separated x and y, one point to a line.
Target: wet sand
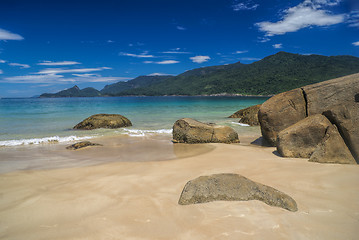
138	200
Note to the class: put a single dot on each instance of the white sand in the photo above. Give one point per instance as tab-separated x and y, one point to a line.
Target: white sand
138	200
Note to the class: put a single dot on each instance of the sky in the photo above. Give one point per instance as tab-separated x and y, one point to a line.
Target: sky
48	46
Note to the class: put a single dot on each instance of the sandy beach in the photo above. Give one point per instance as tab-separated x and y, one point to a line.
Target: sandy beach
138	199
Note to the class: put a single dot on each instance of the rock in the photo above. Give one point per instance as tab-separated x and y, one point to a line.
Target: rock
346	118
248	115
280	112
233	187
187	130
104	121
301	139
332	149
276	113
82	145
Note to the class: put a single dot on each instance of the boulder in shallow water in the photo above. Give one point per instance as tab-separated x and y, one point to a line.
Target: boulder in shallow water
187	130
301	139
104	121
248	115
83	144
233	187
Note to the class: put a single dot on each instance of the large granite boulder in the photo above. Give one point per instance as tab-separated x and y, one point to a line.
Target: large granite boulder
104	121
338	99
301	139
187	130
280	112
233	187
346	118
248	115
332	149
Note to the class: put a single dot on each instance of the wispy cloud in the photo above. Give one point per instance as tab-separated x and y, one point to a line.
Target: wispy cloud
250	59
142	55
1	72
356	43
61	63
6	35
181	28
162	62
60	79
2	61
240	52
353	19
200	59
247	5
159	74
278	45
306	14
78	70
19	65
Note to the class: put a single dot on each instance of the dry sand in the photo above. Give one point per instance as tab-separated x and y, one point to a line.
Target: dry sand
138	200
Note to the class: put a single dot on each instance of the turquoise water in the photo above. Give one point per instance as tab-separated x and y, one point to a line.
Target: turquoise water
32	121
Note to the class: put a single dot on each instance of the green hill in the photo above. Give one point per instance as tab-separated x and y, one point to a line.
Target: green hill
73	92
271	75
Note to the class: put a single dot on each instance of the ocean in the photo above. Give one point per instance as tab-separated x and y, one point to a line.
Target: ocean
31	121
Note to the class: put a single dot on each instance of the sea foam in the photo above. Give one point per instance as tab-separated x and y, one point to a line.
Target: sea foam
36	141
241	124
142	133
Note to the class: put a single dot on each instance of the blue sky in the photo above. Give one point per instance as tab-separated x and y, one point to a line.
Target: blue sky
47	46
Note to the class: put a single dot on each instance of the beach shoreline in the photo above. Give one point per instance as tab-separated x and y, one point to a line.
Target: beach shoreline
138	200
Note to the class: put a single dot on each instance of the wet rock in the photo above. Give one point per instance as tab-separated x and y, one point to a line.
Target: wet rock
104	121
187	130
83	144
233	187
248	115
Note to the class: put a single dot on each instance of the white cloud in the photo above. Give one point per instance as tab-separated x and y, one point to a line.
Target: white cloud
175	52
278	45
79	70
1	72
240	52
181	28
59	79
162	62
248	5
249	59
158	74
62	63
306	14
200	59
2	61
142	55
6	35
167	62
353	19
19	65
356	43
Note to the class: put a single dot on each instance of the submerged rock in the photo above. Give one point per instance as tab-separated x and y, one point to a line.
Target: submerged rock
233	187
187	130
248	115
83	144
104	121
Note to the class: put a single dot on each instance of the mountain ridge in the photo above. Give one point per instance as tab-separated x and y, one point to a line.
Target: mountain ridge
271	75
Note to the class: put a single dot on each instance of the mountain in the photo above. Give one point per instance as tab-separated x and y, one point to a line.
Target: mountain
73	92
141	81
271	75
